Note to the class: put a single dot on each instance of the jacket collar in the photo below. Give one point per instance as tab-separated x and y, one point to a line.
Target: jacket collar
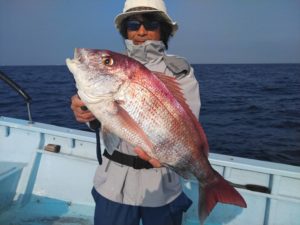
150	52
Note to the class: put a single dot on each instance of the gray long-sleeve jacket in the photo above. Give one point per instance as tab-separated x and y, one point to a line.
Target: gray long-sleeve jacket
148	187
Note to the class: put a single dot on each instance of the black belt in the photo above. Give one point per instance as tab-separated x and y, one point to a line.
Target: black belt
128	160
119	157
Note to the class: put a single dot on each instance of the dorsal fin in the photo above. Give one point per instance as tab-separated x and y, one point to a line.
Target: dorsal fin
173	86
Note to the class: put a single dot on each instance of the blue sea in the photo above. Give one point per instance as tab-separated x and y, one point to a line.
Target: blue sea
250	110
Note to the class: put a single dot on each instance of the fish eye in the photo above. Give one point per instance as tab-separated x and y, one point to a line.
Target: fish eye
107	60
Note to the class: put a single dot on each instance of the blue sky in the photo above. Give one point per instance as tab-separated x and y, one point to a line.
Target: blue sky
45	32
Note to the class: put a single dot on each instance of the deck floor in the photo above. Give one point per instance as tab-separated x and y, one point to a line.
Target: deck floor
40	210
45	211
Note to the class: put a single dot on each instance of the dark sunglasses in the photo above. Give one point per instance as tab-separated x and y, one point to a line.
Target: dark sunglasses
134	25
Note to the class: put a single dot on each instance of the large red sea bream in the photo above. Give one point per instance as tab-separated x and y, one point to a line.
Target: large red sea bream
147	109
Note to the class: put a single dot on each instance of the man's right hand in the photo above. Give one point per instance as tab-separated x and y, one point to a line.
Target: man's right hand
81	115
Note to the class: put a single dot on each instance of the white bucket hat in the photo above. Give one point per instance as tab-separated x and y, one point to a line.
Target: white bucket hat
133	7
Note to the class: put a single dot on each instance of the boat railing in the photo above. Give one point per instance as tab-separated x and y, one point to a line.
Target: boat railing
20	91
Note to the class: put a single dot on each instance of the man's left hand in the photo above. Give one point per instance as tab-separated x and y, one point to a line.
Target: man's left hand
143	155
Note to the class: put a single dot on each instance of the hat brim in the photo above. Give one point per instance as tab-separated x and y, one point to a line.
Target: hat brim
119	18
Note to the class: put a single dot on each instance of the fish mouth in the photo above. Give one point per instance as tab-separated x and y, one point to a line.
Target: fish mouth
71	64
76	59
77	53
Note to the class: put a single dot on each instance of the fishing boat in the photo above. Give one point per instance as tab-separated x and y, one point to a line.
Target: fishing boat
46	176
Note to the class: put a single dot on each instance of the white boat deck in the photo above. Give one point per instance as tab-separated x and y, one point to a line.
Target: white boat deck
39	187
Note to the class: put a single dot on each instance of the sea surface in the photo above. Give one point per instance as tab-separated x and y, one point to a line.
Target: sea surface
248	110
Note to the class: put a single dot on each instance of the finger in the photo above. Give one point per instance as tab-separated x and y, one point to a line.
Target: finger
76	102
81	113
85	119
79	107
155	163
143	155
84	116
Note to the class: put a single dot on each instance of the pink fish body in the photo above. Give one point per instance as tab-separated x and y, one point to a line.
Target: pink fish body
147	109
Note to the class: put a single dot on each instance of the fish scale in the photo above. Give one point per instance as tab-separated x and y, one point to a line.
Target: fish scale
145	113
153	115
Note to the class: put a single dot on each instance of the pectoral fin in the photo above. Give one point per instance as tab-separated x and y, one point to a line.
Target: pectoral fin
131	130
134	130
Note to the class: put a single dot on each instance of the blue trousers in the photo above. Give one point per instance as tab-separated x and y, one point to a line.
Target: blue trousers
112	213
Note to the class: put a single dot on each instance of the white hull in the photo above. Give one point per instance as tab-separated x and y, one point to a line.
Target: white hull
42	187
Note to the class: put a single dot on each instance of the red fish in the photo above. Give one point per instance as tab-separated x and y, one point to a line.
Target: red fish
148	110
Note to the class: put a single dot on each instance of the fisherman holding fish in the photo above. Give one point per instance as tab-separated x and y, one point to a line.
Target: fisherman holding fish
128	188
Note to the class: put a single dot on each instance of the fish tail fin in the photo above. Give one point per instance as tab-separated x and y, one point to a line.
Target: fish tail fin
219	191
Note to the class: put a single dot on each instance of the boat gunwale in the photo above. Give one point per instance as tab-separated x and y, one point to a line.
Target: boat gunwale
216	159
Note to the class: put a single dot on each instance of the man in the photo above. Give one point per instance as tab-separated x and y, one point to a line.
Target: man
124	192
